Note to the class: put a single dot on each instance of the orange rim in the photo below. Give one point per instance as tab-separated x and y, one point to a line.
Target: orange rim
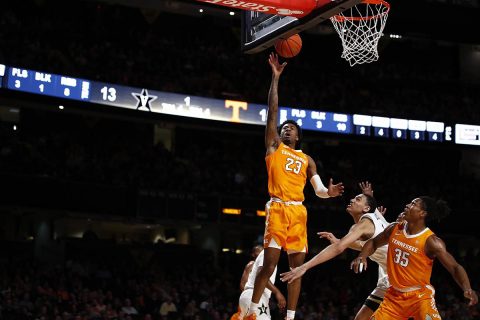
340	18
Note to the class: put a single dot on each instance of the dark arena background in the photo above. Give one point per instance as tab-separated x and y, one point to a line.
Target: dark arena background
132	171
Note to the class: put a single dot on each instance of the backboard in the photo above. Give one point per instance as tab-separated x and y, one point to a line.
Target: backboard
261	30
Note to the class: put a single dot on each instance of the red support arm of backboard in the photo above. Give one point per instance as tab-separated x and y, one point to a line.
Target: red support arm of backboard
294	8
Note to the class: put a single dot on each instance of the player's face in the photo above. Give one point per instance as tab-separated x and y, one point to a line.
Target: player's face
289	134
413	210
357	205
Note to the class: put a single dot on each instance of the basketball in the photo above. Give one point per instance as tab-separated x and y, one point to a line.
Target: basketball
289	48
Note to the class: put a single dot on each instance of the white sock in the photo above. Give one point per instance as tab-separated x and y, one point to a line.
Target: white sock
290	314
253	307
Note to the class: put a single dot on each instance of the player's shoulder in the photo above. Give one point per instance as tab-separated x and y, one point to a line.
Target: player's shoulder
434	246
310	160
435	242
367	218
368	215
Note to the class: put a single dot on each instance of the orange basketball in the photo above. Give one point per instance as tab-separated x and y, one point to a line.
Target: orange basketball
290	47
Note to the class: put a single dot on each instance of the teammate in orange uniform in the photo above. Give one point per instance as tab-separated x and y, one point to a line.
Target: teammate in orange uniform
412	247
288	169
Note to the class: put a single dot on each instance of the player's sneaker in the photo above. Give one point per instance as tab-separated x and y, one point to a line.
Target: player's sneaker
236	316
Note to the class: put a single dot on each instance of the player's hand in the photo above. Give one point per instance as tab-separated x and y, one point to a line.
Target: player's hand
359	264
329	236
277	68
366	188
472	296
293	274
335	190
401	217
281	301
382	210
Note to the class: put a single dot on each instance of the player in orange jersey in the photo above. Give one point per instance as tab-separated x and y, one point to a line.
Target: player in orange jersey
288	169
412	248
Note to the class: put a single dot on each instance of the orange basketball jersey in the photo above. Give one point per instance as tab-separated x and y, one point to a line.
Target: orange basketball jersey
407	264
287	173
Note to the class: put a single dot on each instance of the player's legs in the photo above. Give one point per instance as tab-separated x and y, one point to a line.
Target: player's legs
293	288
365	313
263	309
371	304
296	246
270	260
244	303
276	226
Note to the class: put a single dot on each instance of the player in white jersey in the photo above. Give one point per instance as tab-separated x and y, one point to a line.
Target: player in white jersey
369	222
248	268
263	310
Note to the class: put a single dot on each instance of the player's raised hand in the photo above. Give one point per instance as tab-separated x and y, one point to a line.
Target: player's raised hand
382	210
472	296
359	264
277	68
293	274
335	190
329	236
366	188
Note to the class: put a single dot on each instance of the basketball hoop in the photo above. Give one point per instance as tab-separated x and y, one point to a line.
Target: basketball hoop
360	28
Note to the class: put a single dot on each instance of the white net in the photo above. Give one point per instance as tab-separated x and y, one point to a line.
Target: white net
360	28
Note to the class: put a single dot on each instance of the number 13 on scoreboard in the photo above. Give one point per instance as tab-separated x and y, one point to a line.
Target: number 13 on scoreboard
109	93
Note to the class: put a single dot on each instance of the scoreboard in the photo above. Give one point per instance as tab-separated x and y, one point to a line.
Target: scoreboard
47	84
143	99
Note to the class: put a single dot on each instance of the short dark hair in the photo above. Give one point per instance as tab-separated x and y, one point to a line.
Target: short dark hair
371	202
299	130
436	209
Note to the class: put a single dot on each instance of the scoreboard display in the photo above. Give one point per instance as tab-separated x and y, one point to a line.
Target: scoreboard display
47	84
143	99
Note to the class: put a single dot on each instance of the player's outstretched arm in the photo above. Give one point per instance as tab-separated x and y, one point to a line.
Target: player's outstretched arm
333	190
272	139
282	302
365	226
435	248
356	245
360	263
